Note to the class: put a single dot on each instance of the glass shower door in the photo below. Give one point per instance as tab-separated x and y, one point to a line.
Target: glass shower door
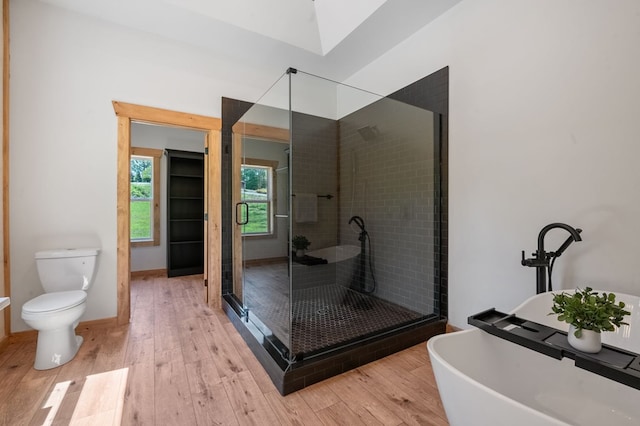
261	228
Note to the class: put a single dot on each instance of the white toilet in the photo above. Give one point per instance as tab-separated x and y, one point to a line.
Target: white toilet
65	275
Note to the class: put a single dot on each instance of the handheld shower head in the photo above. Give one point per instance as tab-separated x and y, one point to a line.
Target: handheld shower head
567	243
359	221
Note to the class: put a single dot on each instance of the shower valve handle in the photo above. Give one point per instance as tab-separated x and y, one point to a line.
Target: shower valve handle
527	262
534	262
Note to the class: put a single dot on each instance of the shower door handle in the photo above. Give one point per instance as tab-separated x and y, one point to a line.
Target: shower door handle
245	219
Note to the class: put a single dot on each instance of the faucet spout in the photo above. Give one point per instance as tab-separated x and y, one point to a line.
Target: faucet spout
542	258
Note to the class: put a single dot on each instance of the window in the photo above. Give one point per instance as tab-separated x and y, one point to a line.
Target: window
257	191
145	197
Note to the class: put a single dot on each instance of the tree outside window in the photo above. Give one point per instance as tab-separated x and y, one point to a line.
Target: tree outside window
145	196
257	192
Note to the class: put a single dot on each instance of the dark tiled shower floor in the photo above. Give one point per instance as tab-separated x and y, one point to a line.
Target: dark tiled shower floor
329	315
322	316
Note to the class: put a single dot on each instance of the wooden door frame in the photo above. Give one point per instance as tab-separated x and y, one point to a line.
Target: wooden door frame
128	113
241	130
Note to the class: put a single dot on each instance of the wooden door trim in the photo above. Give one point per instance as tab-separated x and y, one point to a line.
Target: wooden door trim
236	150
127	113
241	130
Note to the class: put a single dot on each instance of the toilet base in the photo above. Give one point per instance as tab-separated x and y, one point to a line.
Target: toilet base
56	347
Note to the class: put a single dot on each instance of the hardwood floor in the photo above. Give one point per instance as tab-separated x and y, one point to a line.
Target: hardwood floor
186	365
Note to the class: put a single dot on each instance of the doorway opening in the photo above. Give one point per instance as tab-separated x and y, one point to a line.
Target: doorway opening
130	113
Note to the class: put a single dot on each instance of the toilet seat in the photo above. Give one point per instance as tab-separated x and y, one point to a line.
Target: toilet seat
54	302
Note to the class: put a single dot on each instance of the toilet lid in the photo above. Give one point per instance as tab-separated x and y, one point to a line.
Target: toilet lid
50	302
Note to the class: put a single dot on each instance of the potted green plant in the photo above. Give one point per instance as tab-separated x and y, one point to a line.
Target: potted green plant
300	244
588	314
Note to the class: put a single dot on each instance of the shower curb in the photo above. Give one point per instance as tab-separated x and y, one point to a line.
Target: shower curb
314	370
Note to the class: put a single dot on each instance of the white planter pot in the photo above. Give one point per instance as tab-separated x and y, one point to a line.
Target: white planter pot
300	252
590	341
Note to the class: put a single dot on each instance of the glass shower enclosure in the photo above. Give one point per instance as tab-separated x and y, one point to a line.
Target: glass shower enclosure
335	231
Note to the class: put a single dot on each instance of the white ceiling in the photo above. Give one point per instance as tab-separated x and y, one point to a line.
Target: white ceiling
317	26
334	38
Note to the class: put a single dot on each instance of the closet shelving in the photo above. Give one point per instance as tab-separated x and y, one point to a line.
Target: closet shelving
185	213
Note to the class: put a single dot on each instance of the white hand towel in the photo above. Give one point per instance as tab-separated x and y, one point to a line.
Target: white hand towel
306	206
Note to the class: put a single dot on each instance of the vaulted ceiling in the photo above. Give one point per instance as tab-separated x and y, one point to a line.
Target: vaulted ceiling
334	37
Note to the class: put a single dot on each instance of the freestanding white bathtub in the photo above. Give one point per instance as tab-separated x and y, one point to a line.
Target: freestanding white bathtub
336	253
486	380
338	269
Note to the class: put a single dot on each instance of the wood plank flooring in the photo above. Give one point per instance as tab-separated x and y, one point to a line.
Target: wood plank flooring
186	365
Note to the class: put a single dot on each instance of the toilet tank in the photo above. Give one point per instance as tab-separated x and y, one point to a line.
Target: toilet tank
66	269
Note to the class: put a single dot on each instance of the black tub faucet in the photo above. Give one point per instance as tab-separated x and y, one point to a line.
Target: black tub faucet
543	261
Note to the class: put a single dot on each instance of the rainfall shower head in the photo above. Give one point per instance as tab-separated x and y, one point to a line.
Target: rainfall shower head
368	132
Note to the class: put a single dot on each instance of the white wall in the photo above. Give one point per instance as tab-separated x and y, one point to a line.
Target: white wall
544	107
161	137
66	69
